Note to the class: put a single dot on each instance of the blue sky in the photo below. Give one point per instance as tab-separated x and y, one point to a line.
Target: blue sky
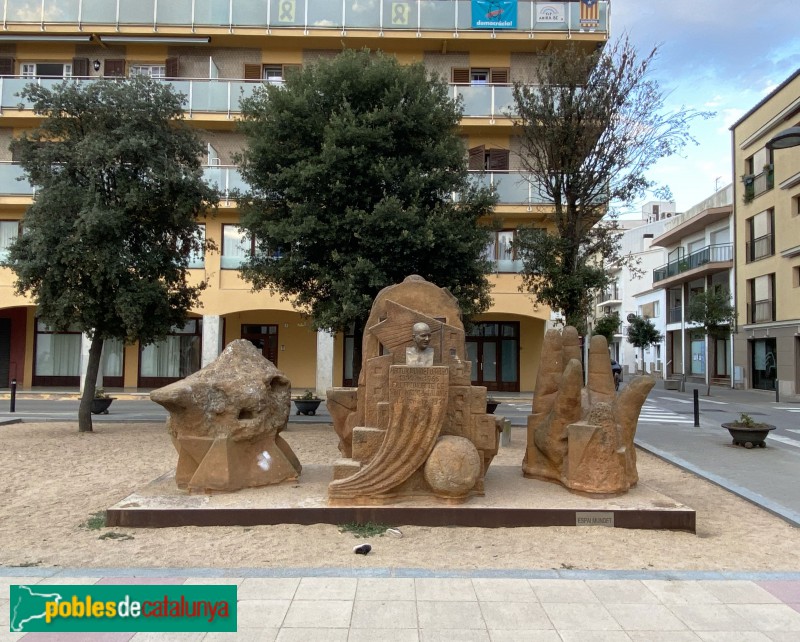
718	55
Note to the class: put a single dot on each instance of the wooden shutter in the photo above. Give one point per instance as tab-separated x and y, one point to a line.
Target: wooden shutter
114	68
252	72
460	76
498	76
171	67
498	160
80	67
477	156
6	66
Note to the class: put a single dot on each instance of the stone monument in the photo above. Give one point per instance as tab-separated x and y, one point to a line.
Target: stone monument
419	427
225	421
583	437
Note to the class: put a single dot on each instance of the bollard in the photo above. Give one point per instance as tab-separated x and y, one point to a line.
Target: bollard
777	392
505	436
696	408
13	402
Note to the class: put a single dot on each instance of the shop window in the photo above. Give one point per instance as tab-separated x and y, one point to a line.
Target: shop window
57	356
175	357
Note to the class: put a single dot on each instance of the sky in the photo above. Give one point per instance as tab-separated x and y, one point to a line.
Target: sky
714	55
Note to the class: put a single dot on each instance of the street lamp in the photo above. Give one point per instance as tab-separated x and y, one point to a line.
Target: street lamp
787	138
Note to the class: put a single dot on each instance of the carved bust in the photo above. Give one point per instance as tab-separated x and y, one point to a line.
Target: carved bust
420	354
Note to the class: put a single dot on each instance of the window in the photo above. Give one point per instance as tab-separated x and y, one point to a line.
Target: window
500	252
272	73
761	308
177	356
9	231
492	160
46	70
796	276
57	359
197	259
759	176
479	75
760	242
153	71
236	247
796	205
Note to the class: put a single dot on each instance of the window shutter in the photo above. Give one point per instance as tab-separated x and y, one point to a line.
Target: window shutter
6	66
290	69
114	68
171	67
460	76
498	76
80	67
498	160
476	158
252	72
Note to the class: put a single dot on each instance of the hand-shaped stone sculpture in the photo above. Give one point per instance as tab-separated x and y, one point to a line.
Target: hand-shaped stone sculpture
583	437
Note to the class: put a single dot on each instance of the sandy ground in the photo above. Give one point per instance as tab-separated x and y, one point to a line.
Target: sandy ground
52	479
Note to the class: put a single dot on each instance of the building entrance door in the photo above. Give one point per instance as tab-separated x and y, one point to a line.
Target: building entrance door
265	338
493	349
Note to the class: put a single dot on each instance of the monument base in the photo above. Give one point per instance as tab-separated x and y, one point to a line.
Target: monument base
510	501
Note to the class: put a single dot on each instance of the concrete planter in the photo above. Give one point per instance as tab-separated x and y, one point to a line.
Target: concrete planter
749	437
307	406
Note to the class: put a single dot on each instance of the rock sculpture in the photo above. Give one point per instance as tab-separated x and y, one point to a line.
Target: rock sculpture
583	437
419	428
225	421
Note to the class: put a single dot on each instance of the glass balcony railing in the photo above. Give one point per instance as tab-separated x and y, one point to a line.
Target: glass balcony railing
760	248
224	96
411	15
513	188
709	254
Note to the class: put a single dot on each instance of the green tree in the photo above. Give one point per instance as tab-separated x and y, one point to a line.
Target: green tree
714	313
352	165
589	128
607	326
106	243
642	333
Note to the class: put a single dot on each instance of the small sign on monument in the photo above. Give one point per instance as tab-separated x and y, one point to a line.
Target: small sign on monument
594	518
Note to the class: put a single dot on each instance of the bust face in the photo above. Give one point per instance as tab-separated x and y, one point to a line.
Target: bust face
422	335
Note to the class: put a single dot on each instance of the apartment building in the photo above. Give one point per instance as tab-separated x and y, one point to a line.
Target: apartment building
699	251
217	51
766	206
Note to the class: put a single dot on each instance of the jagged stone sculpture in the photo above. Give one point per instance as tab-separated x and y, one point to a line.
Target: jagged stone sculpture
583	437
225	421
417	429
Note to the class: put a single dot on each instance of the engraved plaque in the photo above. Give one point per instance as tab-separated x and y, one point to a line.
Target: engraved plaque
594	518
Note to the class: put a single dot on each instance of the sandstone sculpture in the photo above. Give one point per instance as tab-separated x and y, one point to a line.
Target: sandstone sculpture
224	422
583	437
417	429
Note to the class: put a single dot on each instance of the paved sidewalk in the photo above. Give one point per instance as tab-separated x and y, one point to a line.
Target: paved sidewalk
328	605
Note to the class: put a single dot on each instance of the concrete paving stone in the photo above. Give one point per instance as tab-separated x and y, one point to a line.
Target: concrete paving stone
645	617
312	635
524	636
135	581
6	582
80	637
663	636
770	617
710	617
563	591
268	588
786	590
594	636
211	581
622	592
782	636
327	588
310	614
385	588
6	636
680	592
503	590
393	614
5	614
739	592
580	617
453	635
243	635
267	614
435	615
443	589
383	635
149	636
732	636
514	615
68	581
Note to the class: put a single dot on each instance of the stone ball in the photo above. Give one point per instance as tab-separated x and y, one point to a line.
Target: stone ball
453	466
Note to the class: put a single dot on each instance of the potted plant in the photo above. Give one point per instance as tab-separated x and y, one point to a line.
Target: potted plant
307	403
748	433
101	402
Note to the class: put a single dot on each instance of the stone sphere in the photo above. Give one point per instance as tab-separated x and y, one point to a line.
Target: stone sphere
453	467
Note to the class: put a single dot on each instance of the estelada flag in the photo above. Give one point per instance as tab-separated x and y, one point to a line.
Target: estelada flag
590	13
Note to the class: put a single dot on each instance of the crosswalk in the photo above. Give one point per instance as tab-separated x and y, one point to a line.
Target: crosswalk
651	413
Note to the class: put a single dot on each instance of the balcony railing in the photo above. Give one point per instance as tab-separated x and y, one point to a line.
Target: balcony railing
674	315
757	184
513	188
708	254
760	248
761	311
412	15
609	295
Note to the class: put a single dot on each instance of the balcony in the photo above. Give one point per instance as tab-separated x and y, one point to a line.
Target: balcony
761	311
708	257
757	184
513	188
674	315
760	248
414	15
609	297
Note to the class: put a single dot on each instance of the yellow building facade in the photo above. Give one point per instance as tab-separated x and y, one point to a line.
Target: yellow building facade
767	241
215	52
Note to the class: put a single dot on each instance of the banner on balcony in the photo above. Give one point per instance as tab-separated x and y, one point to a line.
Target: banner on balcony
550	12
494	14
590	14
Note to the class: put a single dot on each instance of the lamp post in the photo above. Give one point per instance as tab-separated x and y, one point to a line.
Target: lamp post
787	138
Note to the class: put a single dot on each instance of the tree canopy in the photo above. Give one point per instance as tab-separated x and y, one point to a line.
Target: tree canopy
353	165
106	243
714	313
590	128
642	333
607	326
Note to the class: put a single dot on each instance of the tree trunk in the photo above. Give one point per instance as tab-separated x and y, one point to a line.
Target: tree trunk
358	339
712	346
92	367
